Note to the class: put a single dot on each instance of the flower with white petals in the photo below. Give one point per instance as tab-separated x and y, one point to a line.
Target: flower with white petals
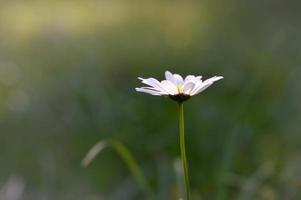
176	87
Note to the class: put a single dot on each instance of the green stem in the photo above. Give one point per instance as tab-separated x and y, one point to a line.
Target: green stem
183	152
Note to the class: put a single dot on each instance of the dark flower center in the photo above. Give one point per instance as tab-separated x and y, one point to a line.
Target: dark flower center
180	97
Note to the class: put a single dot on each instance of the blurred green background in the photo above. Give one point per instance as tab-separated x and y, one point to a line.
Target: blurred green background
68	71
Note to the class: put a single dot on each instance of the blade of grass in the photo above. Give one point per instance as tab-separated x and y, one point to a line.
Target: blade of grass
125	155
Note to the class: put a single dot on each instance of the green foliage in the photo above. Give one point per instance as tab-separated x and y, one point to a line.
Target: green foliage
67	76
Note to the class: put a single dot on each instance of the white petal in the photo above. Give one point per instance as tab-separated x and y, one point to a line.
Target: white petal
192	78
169	77
178	79
197	83
188	87
169	87
214	78
151	88
148	91
189	78
154	83
201	86
199	77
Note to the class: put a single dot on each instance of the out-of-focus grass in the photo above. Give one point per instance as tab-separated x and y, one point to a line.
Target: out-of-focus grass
128	159
67	77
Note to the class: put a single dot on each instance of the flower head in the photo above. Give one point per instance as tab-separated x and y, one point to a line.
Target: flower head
176	87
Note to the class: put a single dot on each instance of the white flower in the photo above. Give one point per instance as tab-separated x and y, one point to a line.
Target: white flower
176	87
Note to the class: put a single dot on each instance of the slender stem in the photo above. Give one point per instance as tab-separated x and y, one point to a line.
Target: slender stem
183	152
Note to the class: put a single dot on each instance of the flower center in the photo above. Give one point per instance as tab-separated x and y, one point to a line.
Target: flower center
180	97
179	88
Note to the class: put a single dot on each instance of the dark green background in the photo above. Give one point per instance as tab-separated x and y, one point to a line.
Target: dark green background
68	71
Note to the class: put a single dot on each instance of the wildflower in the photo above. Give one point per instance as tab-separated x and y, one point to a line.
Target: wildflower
176	87
180	90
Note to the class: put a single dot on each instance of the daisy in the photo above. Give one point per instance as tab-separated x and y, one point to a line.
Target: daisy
180	90
176	87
